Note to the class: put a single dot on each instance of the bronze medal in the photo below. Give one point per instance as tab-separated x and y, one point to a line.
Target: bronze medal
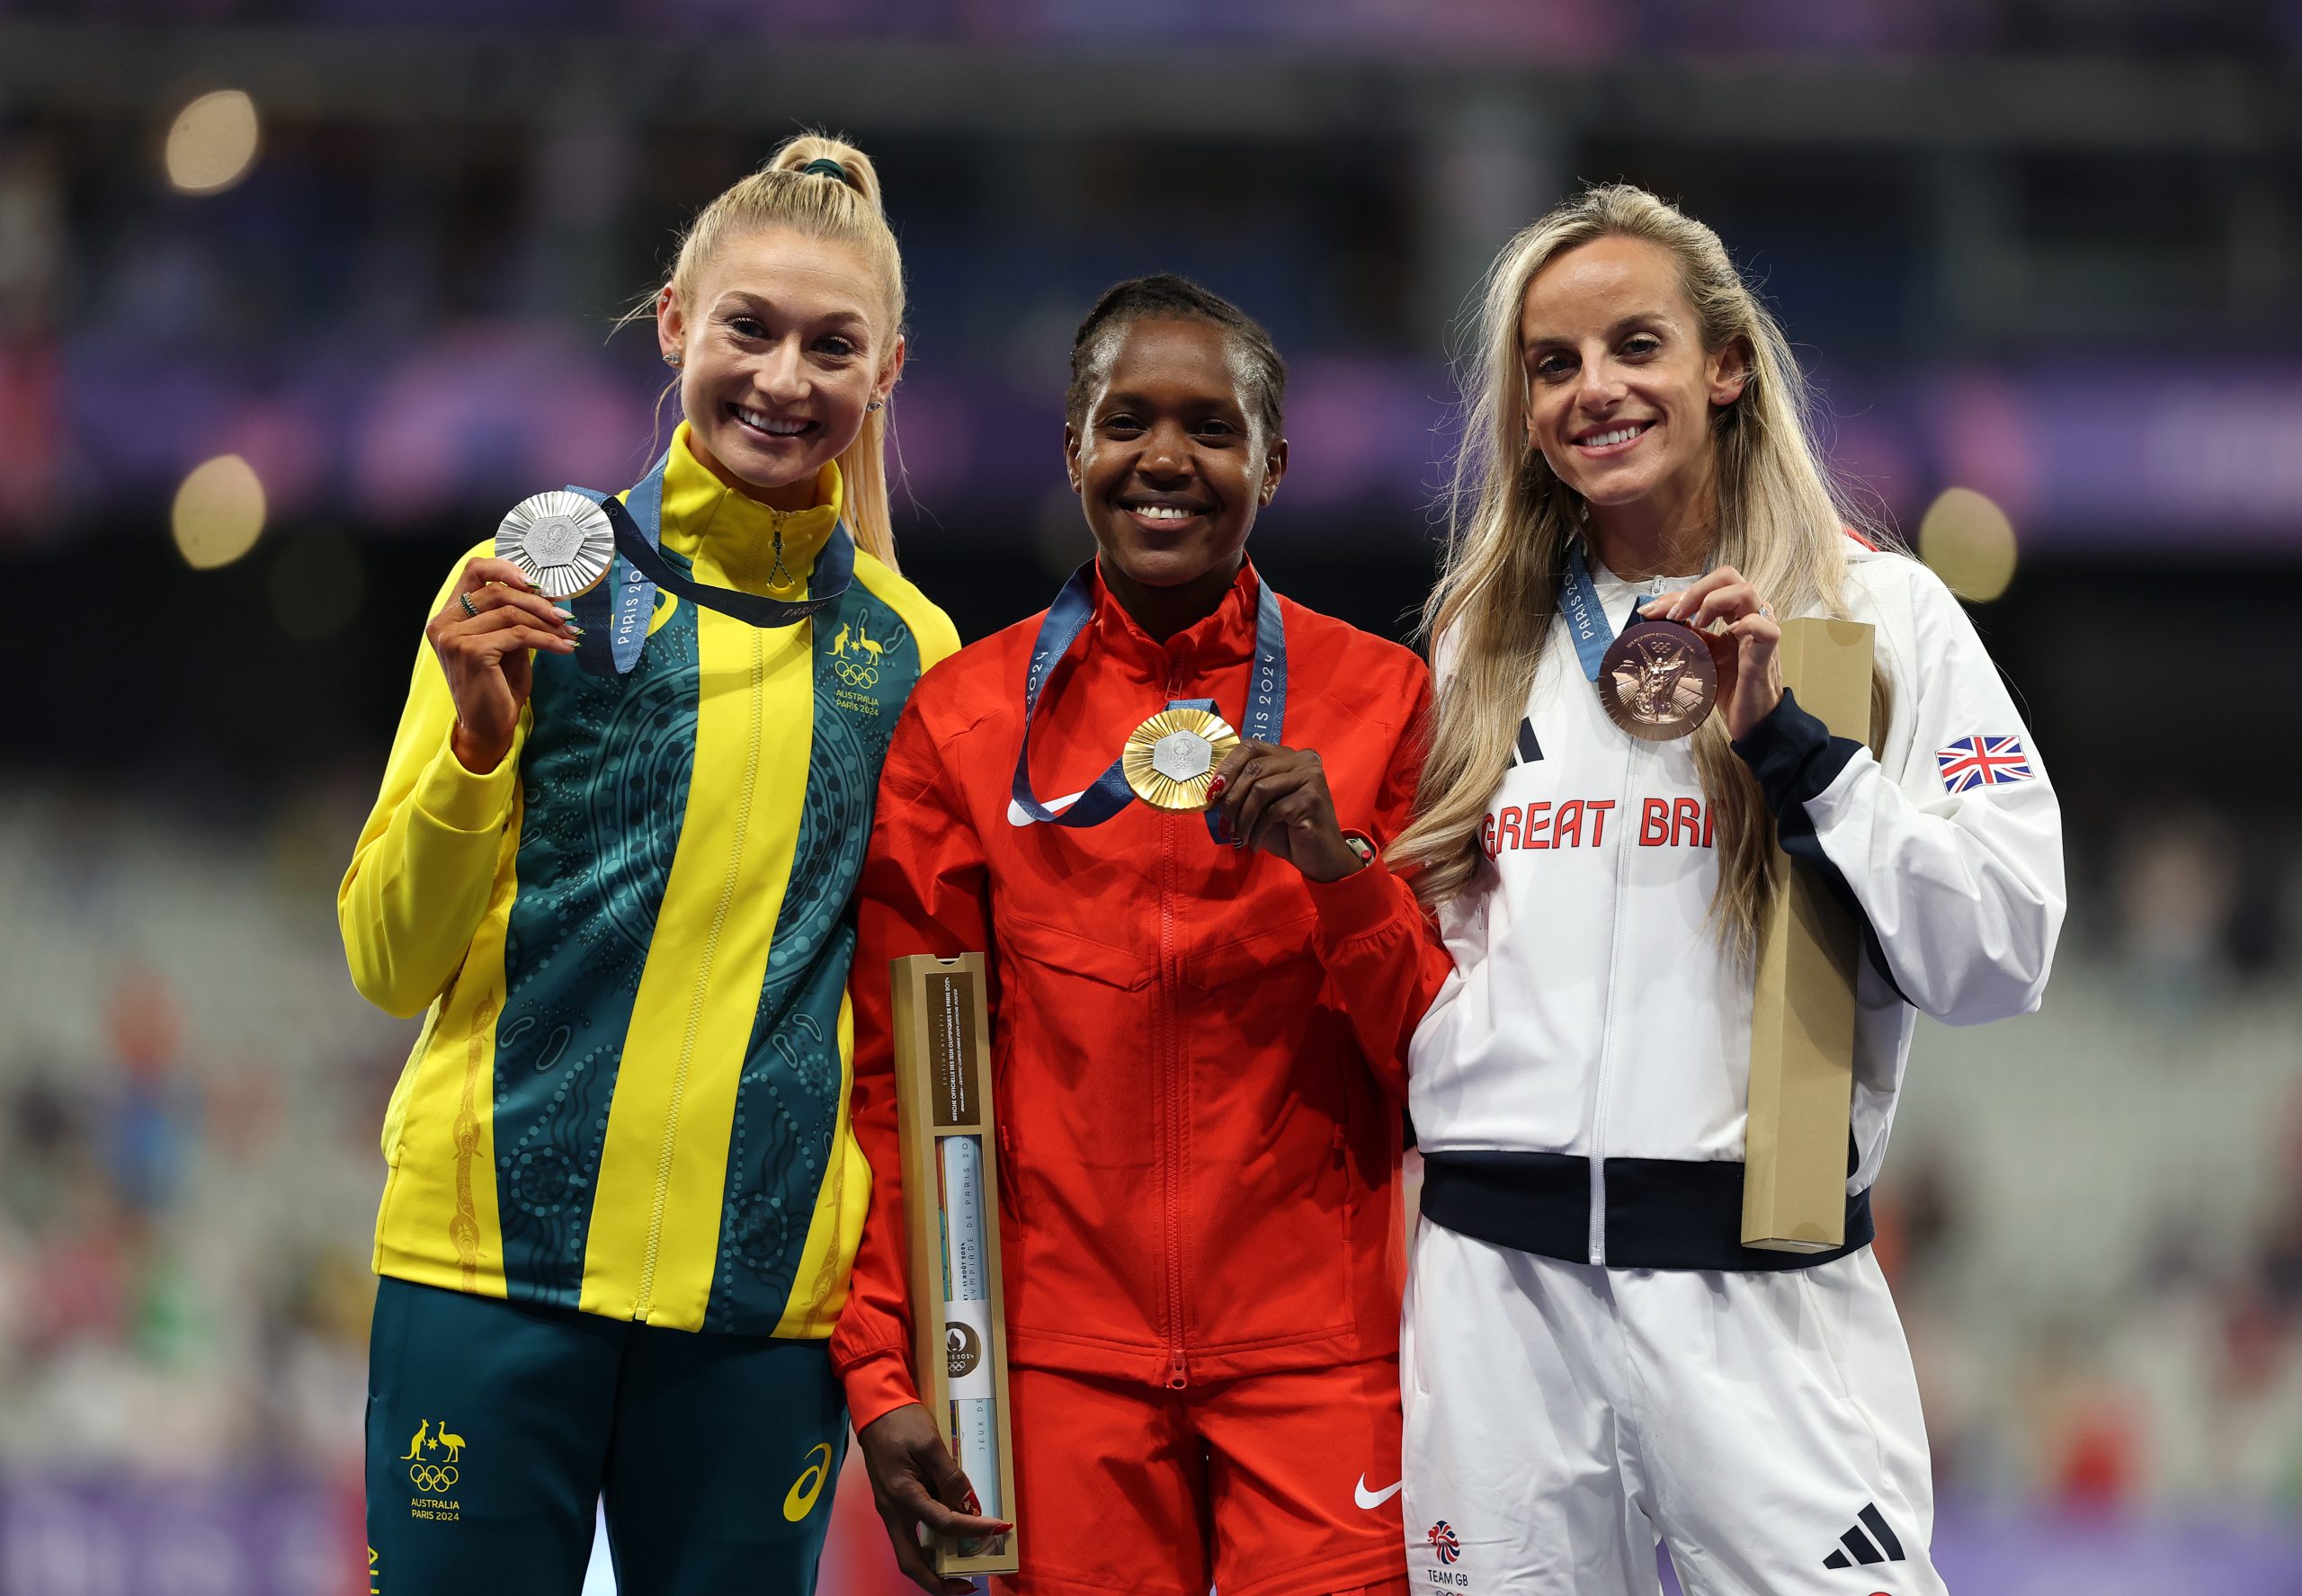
1658	680
1170	759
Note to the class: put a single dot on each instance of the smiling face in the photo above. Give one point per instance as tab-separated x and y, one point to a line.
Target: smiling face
781	348
1166	457
1620	391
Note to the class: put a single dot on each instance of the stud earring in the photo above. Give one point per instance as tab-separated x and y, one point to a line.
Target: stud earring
673	361
873	405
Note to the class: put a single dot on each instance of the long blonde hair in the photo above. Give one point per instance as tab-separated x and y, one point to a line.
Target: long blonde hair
1510	522
817	205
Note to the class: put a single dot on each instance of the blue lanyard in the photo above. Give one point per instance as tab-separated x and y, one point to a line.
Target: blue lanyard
1586	619
615	613
1066	618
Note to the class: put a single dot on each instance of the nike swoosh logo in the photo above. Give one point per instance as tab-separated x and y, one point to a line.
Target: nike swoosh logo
1374	1498
1015	816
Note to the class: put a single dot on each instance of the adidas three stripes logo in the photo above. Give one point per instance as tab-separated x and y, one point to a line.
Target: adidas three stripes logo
1878	1546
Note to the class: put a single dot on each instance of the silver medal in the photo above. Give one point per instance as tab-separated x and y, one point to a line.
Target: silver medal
561	541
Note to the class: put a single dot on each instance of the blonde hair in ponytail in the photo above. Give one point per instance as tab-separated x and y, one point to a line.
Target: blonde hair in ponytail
1511	521
817	205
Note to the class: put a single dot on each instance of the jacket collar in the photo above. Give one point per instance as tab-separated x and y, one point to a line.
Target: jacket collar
1225	637
702	516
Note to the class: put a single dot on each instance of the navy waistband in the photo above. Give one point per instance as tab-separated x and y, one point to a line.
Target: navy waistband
1662	1213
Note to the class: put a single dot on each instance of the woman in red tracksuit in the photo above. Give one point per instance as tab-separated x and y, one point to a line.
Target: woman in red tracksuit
1199	1142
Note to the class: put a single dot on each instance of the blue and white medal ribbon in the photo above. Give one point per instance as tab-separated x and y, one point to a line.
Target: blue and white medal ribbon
1109	793
1586	618
614	614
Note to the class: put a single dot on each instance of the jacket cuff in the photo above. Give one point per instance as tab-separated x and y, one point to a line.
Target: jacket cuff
877	1383
467	800
1793	754
1355	905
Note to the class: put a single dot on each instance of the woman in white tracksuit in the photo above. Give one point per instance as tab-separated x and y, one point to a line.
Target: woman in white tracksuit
1594	1361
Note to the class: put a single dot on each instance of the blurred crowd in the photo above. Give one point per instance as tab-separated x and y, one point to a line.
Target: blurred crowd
1582	30
2092	1217
188	1156
400	312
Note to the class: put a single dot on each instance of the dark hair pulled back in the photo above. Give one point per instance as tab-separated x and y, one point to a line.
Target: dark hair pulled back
1165	297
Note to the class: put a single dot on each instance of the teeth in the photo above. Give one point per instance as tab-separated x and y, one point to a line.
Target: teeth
1619	435
1165	512
768	423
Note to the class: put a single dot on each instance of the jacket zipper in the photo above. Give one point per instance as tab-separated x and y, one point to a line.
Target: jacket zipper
646	1302
778	575
1596	1240
1170	1062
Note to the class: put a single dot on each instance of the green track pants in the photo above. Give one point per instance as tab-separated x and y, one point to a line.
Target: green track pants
495	1428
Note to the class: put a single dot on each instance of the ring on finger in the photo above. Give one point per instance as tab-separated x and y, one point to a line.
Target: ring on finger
471	609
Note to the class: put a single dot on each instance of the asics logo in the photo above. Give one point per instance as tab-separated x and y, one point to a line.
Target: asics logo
1374	1498
800	1500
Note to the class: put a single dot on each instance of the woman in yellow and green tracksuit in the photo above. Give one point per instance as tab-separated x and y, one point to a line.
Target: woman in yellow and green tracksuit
622	1195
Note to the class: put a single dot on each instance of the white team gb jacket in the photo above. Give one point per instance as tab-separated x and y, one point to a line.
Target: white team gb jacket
1578	1087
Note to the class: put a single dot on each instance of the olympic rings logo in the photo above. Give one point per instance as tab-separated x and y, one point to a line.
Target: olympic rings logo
424	1476
855	675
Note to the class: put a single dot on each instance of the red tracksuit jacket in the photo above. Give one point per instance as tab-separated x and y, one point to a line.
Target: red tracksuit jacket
1200	1119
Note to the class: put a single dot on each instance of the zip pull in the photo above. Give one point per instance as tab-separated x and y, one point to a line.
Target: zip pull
1178	1373
777	575
1342	1143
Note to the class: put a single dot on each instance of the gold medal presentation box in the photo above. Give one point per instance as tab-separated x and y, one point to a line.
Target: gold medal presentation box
951	1199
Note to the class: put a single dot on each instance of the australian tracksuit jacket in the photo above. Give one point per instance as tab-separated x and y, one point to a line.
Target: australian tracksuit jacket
631	942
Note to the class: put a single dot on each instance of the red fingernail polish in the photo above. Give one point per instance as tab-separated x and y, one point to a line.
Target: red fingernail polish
1214	788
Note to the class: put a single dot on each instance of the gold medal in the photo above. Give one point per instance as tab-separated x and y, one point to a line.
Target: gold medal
1659	680
1171	758
561	541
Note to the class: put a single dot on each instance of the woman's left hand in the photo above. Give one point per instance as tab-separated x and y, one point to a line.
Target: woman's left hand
1277	799
1750	670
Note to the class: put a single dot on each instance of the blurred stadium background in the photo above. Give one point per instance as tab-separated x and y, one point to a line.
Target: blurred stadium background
297	295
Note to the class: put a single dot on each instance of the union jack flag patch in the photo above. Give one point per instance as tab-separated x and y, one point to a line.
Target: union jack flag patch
1983	762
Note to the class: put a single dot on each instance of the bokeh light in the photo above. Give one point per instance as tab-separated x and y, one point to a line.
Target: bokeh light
219	513
318	584
212	143
1968	542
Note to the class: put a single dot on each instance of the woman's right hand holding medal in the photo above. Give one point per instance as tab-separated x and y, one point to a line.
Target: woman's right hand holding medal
482	637
1276	800
1749	664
